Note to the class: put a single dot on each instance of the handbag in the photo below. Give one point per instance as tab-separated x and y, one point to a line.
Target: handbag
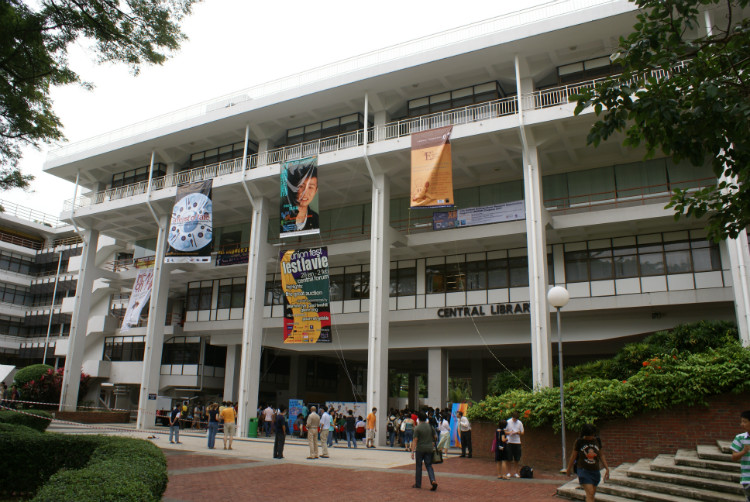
494	445
437	456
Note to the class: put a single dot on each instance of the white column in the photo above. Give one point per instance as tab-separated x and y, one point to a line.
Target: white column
231	373
437	377
737	249
541	361
157	311
380	269
79	323
252	324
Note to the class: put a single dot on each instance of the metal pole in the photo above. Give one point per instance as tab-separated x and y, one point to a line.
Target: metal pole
52	307
562	398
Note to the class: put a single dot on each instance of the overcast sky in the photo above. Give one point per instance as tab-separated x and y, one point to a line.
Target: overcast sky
235	44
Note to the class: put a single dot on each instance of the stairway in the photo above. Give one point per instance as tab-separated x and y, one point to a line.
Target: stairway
706	473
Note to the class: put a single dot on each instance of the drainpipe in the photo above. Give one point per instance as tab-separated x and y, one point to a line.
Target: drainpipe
52	307
148	191
73	209
364	149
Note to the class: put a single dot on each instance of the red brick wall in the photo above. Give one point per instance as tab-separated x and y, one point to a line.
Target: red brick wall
94	417
642	436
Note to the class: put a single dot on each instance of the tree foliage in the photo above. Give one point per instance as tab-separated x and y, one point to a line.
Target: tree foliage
34	39
685	90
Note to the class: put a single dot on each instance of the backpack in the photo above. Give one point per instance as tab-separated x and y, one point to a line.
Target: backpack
526	472
389	427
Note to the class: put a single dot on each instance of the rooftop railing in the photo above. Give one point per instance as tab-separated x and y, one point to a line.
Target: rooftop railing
26	213
471	31
536	100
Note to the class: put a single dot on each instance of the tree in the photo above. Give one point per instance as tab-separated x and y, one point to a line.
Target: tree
34	38
685	90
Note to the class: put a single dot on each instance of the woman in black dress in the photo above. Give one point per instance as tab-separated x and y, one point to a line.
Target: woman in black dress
501	441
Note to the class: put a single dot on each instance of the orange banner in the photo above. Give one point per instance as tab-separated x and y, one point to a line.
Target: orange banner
431	168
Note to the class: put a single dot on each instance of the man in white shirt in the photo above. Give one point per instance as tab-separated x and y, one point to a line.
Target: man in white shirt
464	428
514	431
325	425
267	420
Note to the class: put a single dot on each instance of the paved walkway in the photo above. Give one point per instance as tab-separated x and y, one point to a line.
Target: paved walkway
248	472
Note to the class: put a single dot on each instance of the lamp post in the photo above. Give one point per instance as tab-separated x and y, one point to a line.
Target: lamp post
558	297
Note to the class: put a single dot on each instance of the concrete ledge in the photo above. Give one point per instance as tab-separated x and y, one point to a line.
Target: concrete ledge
94	417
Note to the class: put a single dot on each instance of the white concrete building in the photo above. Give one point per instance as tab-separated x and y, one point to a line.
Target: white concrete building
406	299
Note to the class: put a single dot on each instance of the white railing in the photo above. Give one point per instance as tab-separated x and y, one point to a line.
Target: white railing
26	213
471	31
539	99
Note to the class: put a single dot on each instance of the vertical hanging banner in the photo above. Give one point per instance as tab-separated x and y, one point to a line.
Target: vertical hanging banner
299	197
141	293
191	227
304	280
431	168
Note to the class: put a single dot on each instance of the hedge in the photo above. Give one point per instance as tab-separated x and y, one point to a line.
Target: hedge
60	467
39	421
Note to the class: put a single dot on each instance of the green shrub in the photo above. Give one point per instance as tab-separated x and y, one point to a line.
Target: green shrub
663	381
80	468
29	373
36	419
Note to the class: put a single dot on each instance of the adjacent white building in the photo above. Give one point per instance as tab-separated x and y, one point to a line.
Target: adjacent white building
406	299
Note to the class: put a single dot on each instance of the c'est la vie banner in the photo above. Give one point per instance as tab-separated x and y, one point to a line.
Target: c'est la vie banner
191	226
432	169
305	282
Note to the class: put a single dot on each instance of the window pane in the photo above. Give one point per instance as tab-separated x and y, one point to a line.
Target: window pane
205	299
238	296
336	287
651	264
455	279
626	266
407	281
601	268
519	272
435	276
476	276
576	266
678	262
225	296
497	274
706	259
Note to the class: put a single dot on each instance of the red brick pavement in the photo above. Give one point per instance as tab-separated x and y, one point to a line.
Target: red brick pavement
186	461
288	481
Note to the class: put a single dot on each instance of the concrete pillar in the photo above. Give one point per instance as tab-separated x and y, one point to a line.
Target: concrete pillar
437	377
232	373
263	145
252	324
737	250
379	119
79	323
413	391
157	311
541	359
294	374
380	261
477	379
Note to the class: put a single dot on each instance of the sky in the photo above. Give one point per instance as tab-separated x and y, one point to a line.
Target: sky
232	45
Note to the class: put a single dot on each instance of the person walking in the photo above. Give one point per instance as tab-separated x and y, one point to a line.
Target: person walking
422	446
267	420
464	426
740	447
230	424
325	430
444	441
313	424
587	455
408	431
174	424
514	431
280	434
372	426
213	424
390	428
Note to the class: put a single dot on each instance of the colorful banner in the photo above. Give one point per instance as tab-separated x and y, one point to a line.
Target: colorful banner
234	256
141	293
343	407
455	432
484	215
304	281
295	408
299	197
432	168
191	227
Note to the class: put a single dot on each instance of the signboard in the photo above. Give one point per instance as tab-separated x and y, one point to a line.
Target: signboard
235	256
191	226
431	168
305	283
141	293
152	397
299	197
483	215
484	310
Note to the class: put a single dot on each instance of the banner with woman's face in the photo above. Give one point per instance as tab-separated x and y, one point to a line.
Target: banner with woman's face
299	197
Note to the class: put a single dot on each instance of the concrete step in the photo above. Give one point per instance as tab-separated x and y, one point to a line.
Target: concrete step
724	446
667	463
643	469
573	491
623	485
691	458
712	452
